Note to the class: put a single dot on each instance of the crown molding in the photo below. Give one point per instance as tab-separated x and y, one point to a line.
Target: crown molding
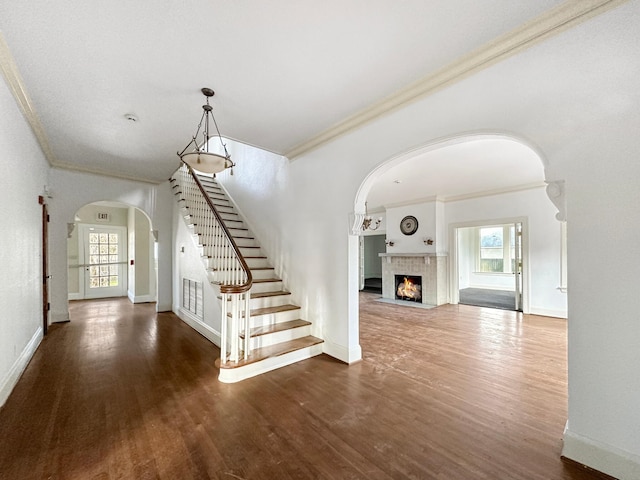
16	85
556	20
104	173
466	196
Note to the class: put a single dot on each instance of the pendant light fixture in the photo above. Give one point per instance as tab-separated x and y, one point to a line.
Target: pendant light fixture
198	157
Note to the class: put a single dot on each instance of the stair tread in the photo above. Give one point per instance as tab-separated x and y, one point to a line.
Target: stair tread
270	294
256	312
275	351
277	327
266	294
266	280
261	268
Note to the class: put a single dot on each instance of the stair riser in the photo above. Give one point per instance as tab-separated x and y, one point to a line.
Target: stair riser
277	337
233	223
238	232
251	252
229	217
260	274
224	208
245	242
257	262
270	301
237	374
267	287
273	318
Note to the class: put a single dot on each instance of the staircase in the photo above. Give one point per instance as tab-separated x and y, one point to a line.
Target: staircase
276	335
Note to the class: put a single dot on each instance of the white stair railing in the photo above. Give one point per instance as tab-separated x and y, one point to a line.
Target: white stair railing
224	260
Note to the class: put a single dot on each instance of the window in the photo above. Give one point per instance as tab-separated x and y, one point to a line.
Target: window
497	249
103	260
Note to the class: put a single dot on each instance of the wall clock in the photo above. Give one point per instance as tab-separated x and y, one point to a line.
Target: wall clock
409	225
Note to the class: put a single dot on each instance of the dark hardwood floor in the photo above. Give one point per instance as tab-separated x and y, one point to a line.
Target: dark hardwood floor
454	392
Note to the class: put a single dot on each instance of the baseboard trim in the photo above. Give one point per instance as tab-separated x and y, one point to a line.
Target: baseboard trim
199	326
599	456
15	372
140	298
548	313
59	317
341	352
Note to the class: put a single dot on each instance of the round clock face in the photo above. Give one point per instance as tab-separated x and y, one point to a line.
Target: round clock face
409	225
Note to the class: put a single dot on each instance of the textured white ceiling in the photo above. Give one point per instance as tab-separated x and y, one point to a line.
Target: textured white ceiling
283	70
470	167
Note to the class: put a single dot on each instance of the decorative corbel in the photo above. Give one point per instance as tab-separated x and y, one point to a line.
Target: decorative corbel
555	192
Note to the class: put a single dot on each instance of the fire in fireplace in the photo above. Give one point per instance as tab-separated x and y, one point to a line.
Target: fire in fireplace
409	287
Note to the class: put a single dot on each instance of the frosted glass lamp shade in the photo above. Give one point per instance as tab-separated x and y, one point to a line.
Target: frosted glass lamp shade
206	162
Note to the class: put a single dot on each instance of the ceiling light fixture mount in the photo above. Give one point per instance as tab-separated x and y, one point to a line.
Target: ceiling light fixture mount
199	158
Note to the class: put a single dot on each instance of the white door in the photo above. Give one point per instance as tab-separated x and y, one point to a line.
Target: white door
105	259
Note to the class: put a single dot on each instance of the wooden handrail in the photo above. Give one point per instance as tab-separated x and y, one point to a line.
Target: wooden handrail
228	289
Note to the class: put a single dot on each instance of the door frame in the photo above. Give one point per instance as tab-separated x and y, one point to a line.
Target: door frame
45	264
454	289
83	231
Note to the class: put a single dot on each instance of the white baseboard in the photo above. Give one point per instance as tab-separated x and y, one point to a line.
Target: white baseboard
199	326
74	296
15	372
548	313
59	317
140	298
601	457
341	352
164	306
492	287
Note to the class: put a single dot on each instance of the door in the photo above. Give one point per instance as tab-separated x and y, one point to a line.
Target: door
104	254
45	266
517	270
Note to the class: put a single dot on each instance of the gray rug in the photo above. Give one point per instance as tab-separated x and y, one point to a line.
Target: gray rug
481	297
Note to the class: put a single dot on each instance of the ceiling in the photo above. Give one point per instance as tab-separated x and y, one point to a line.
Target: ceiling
472	167
284	72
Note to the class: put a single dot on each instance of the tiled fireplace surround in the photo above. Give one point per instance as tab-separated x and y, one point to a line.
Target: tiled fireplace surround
430	266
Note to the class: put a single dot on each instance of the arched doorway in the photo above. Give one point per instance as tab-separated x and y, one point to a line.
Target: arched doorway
461	180
111	253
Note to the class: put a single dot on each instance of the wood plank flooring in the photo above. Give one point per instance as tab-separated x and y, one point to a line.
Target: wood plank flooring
455	392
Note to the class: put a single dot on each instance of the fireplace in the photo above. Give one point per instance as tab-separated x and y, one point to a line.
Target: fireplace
409	287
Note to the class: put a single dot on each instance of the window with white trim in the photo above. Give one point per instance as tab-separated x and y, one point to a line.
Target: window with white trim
496	249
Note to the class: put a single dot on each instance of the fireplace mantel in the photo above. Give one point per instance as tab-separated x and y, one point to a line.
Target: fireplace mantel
432	267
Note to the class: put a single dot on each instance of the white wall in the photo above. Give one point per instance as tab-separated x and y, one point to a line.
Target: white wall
24	175
602	178
188	264
425	213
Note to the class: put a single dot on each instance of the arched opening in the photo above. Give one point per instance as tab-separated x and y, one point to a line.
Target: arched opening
111	252
463	181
